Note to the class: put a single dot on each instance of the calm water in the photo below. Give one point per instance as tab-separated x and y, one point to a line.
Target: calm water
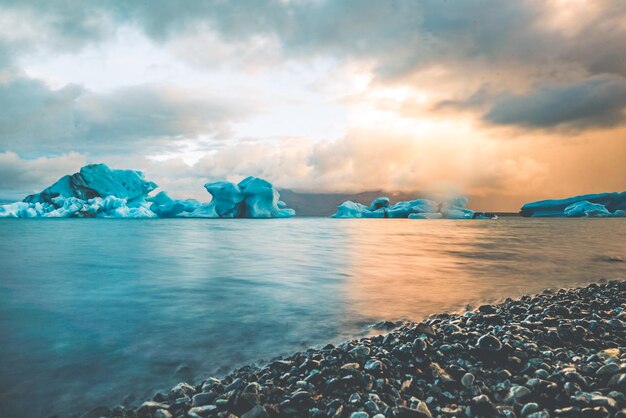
94	310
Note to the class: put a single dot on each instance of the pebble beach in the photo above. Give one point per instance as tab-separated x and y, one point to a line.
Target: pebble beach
561	353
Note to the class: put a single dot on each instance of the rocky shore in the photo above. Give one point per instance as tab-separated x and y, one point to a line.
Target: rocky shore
558	354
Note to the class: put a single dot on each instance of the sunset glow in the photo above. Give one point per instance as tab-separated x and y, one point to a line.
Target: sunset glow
320	96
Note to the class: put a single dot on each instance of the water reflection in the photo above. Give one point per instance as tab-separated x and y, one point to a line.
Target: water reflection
93	310
403	269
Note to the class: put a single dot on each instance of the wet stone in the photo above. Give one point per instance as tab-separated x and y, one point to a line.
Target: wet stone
162	413
256	412
608	370
360	352
203	399
517	394
467	380
482	406
202	411
529	408
489	343
373	365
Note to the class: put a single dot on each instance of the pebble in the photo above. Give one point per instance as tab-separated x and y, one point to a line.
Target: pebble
489	343
373	365
467	380
556	354
517	394
608	369
529	408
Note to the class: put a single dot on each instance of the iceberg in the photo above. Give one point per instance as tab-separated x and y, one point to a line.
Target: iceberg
413	209
226	199
426	215
166	207
22	210
586	209
95	191
350	209
98	191
590	205
379	203
96	180
260	198
252	197
450	211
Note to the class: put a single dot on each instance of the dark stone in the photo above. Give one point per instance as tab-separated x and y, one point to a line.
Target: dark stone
489	343
481	406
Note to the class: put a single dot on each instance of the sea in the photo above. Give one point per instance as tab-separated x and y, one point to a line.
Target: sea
106	312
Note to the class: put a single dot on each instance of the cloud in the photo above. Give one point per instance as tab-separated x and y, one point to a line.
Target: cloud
509	46
406	89
19	177
380	160
397	37
483	167
140	118
594	102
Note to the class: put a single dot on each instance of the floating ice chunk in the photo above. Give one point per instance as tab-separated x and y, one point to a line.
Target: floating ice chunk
226	199
286	213
98	191
460	201
350	209
413	209
260	198
206	210
424	205
550	208
586	209
14	210
590	210
381	202
400	210
69	207
97	180
166	207
456	212
251	198
426	215
93	206
130	212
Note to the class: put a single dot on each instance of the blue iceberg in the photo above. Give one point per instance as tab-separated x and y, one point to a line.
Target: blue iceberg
413	209
166	207
95	191
252	197
98	191
588	206
96	180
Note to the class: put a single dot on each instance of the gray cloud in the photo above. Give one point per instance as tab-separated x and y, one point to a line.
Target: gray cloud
36	117
19	177
478	40
399	36
596	101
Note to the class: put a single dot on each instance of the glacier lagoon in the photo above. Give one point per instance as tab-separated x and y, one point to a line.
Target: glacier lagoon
102	312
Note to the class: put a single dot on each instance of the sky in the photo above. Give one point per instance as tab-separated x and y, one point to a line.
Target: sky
504	101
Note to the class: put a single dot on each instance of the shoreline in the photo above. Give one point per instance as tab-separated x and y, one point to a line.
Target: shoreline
558	353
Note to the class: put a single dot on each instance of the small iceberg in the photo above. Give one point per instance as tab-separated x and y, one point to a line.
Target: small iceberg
252	197
601	205
98	191
413	209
